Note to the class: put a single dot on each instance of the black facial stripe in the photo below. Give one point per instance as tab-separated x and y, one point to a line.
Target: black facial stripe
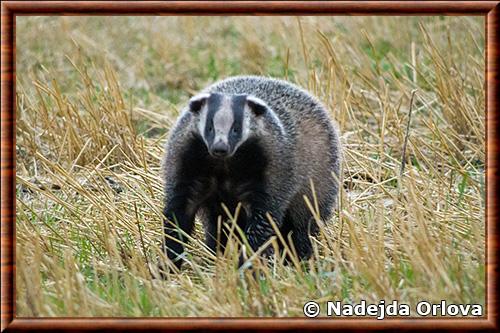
213	104
238	107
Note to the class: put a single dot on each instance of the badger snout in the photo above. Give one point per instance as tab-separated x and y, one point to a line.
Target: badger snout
219	149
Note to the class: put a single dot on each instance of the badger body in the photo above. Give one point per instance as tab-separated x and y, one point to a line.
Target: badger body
254	141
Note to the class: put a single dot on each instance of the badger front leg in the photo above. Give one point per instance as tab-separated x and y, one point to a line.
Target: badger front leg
258	229
178	224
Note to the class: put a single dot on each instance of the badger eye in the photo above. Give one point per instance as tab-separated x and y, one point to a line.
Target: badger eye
235	130
211	128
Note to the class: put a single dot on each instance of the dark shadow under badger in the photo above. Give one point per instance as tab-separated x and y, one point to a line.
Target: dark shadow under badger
258	142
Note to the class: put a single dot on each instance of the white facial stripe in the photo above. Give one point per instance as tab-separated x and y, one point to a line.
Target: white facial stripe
247	114
202	114
203	120
223	121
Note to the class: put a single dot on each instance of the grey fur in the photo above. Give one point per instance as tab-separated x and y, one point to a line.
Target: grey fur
302	144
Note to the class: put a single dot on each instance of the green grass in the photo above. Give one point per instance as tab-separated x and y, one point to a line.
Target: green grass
96	97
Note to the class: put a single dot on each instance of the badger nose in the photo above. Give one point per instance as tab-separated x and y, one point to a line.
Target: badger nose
220	149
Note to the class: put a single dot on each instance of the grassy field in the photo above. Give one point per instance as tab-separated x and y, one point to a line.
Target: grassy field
96	97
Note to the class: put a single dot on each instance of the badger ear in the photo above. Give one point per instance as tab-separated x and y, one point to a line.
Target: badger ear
197	102
258	106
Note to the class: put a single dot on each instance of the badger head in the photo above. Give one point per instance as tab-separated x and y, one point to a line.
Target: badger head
225	122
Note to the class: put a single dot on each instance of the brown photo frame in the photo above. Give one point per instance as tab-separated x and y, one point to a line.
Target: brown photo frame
11	9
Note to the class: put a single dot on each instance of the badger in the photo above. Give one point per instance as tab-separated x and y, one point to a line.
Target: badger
257	142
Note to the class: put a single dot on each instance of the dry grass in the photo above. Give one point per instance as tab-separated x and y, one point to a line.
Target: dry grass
96	97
